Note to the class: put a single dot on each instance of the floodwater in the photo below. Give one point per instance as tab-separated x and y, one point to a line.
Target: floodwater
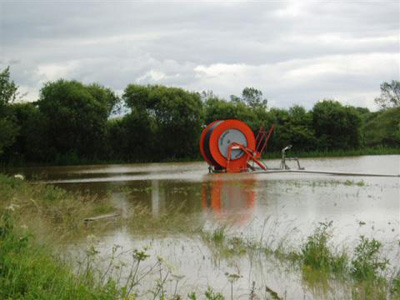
276	209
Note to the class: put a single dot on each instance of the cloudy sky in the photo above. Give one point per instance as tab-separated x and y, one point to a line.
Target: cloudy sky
296	52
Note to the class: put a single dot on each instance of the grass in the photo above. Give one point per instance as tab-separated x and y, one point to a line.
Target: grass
40	206
30	271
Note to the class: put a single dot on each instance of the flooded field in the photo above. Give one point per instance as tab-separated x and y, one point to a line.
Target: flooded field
222	214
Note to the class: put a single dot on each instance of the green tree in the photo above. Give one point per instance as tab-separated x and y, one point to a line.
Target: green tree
251	97
302	134
174	115
220	109
292	127
75	117
383	129
8	93
390	95
336	126
31	143
251	107
8	88
131	138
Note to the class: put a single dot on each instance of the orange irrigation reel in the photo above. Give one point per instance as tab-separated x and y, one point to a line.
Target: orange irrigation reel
230	145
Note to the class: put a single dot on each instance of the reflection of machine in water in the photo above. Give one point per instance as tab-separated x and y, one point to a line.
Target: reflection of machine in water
230	198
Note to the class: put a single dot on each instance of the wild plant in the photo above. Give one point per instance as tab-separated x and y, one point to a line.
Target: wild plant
232	278
161	281
218	236
315	251
317	254
211	295
366	263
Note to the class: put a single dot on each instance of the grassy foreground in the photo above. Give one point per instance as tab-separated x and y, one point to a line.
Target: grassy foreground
32	215
29	271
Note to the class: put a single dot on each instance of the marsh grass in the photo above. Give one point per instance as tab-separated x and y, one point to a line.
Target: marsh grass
50	210
44	206
317	254
362	271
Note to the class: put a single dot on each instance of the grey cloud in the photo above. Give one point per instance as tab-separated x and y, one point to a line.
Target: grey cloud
116	43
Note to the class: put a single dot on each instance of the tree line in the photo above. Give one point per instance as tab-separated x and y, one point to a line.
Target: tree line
72	122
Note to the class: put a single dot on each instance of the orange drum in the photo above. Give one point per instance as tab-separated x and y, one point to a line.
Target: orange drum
216	139
207	156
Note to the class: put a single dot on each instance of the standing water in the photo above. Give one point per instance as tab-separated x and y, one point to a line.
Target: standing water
275	211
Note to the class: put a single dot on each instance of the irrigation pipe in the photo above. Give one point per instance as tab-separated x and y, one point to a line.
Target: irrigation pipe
326	173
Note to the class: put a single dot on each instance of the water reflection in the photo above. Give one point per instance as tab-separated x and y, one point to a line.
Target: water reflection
157	198
232	198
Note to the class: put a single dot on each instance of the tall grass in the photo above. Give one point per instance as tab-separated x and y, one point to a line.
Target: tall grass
41	206
29	271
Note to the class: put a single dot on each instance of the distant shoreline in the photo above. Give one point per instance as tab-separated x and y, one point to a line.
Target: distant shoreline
267	155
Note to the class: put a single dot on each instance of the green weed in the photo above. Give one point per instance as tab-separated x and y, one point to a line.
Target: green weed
211	295
366	263
316	253
218	235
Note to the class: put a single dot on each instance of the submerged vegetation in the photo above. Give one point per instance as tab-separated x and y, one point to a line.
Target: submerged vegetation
73	123
28	269
364	270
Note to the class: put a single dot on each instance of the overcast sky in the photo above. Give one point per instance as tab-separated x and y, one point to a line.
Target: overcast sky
296	52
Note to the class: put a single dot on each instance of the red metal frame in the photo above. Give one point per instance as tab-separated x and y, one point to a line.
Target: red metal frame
262	139
249	154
